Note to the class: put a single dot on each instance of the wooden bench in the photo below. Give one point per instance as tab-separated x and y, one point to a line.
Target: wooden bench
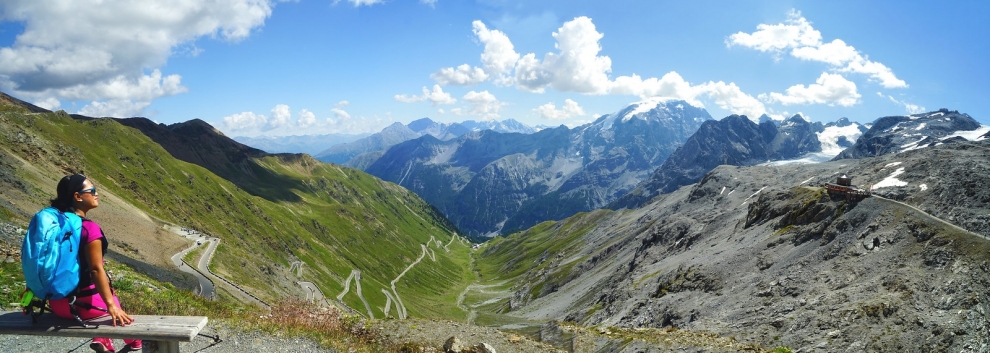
160	333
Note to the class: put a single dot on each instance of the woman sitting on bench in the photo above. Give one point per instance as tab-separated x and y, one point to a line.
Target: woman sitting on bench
76	193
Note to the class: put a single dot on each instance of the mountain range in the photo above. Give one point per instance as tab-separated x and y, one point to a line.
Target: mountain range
309	144
364	151
489	183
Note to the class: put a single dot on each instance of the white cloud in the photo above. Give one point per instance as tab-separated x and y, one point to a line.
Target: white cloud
577	66
830	89
245	121
530	76
497	60
804	42
117	108
50	103
483	104
797	32
340	114
73	50
463	75
342	104
876	71
435	96
499	57
730	97
358	3
139	90
671	85
835	53
281	116
306	119
569	110
908	107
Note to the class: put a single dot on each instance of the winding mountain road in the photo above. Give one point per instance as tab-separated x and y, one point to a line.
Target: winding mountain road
203	269
356	276
206	286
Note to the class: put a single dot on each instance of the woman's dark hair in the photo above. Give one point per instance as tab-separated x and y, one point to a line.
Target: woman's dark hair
67	187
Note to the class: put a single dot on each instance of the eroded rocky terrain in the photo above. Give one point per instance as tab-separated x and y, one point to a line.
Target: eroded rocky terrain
765	255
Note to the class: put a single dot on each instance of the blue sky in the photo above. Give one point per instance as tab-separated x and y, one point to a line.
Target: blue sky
260	67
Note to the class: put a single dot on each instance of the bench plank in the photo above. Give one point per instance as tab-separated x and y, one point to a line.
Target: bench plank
145	327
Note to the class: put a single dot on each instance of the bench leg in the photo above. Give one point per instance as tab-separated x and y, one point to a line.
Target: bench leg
160	347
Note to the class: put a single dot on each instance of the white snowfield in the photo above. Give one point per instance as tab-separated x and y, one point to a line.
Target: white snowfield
974	135
891	180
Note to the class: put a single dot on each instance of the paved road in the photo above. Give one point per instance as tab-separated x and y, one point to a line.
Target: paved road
208	290
206	287
314	294
930	217
203	266
356	276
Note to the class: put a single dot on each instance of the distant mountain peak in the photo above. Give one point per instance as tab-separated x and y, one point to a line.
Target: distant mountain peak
655	109
420	124
656	103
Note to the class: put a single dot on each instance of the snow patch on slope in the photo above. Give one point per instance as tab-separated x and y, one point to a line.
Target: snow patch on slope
891	180
974	135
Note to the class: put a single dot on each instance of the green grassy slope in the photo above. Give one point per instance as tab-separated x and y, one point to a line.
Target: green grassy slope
525	257
332	218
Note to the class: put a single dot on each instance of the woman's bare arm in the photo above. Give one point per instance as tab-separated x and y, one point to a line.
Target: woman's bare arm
94	251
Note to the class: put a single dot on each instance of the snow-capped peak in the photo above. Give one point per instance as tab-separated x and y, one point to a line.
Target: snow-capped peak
656	108
648	105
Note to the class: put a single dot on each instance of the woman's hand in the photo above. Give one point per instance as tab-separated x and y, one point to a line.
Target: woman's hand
118	315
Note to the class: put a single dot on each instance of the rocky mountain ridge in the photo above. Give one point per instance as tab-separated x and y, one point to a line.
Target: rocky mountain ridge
520	180
895	134
734	140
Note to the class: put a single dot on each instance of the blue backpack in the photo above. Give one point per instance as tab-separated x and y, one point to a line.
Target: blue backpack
50	254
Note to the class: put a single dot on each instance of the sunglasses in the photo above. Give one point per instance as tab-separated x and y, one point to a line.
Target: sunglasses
91	190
